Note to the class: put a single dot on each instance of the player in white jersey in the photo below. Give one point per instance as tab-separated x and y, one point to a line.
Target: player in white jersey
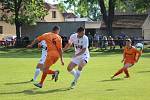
43	46
81	57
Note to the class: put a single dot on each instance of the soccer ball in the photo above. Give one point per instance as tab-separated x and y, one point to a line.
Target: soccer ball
139	46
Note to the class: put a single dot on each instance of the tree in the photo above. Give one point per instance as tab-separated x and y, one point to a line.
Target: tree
62	8
21	12
138	6
88	7
83	8
108	15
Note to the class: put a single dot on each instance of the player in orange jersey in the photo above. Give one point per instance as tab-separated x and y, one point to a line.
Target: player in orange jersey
54	52
130	57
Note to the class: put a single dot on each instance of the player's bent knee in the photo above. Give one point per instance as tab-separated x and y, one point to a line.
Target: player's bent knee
128	65
81	65
80	68
69	68
39	65
44	69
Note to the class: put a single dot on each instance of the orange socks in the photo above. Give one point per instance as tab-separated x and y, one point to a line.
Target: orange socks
50	72
43	78
126	72
45	74
119	72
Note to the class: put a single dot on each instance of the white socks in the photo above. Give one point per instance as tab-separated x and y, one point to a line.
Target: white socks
37	72
73	72
76	74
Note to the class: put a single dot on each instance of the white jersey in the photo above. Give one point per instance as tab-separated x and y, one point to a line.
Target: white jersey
43	45
80	43
44	51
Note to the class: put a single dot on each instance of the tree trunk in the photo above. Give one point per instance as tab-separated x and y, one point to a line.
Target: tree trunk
108	16
18	39
17	22
103	10
111	16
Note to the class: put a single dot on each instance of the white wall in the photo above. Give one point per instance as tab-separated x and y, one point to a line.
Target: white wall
146	29
8	29
76	19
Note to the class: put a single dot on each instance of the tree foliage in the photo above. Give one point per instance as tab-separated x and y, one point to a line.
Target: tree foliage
93	9
26	11
21	12
139	6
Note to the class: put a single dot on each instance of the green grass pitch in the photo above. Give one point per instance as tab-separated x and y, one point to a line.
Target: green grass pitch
17	68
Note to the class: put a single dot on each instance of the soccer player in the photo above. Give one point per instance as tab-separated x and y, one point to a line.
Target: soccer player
43	46
130	57
81	57
54	52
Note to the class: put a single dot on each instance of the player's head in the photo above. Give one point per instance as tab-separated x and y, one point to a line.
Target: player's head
128	42
81	31
56	29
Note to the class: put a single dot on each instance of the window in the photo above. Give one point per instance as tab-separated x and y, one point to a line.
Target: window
1	30
53	14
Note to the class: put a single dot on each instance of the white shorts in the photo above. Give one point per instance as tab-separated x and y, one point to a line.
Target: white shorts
79	59
43	57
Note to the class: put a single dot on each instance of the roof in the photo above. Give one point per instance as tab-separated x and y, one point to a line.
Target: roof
50	6
69	15
127	21
128	13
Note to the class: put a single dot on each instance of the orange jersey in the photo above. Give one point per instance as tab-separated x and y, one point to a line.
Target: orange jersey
131	54
53	41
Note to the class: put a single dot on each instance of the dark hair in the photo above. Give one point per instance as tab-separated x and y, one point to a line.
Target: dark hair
128	40
55	28
80	29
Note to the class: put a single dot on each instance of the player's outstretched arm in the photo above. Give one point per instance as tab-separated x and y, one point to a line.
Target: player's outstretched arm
67	46
138	55
61	55
124	54
32	43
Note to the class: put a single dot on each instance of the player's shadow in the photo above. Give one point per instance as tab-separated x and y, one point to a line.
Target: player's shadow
24	91
110	80
110	90
33	92
48	91
143	72
25	82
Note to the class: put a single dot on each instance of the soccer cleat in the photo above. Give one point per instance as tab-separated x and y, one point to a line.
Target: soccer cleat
32	80
112	77
126	76
73	84
38	85
53	76
56	75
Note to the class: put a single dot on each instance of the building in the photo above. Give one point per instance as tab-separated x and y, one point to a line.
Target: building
67	28
68	22
130	24
54	15
6	29
146	29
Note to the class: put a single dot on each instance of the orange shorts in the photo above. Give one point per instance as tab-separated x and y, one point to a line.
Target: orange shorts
50	60
129	61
